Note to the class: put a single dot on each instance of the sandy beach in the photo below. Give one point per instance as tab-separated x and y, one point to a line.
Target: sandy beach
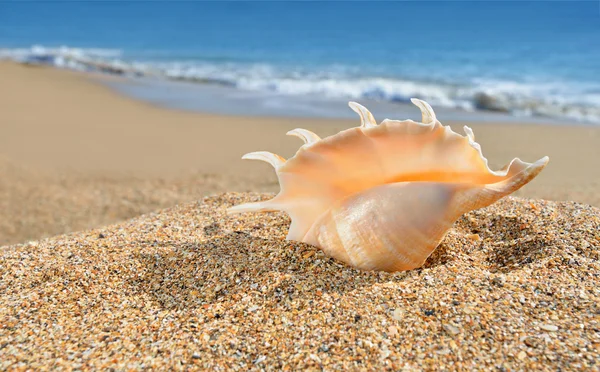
188	286
122	128
75	155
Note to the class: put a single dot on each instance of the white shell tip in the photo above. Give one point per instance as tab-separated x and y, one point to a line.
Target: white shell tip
305	135
275	160
427	113
469	133
366	118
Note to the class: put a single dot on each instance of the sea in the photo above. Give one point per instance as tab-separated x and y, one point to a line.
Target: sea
474	60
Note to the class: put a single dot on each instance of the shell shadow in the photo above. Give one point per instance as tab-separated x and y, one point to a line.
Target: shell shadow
230	266
515	254
440	256
512	242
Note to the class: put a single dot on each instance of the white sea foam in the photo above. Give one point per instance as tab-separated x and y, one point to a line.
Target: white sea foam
560	100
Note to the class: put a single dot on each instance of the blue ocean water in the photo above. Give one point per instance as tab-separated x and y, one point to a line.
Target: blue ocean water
524	58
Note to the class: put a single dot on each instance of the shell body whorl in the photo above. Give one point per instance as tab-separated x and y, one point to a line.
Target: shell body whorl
382	197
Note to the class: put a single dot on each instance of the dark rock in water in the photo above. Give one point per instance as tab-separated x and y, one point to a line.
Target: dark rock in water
108	68
486	102
204	80
37	60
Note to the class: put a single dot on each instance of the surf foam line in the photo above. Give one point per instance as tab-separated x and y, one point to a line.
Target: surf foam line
558	101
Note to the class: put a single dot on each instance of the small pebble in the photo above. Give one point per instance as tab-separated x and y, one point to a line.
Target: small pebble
452	330
498	281
531	341
473	237
549	327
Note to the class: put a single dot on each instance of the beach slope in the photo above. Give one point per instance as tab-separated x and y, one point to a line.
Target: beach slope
512	287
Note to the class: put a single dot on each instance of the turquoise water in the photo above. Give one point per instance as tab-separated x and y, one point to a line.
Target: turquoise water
524	58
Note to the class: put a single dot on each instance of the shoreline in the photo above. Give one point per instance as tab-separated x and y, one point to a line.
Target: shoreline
214	99
143	90
221	96
75	154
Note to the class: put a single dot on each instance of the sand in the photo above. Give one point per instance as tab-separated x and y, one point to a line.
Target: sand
512	286
36	204
75	155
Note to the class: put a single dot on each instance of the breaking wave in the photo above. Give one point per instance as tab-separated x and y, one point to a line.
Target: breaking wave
559	100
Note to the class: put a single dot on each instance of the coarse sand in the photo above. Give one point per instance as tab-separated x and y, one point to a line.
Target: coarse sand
513	286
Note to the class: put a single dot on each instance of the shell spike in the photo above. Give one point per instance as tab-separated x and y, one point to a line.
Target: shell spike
518	174
251	207
469	133
275	160
366	118
305	135
428	116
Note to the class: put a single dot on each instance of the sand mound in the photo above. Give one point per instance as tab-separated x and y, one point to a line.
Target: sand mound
513	286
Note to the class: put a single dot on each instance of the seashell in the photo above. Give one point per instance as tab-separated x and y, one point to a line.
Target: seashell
382	197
